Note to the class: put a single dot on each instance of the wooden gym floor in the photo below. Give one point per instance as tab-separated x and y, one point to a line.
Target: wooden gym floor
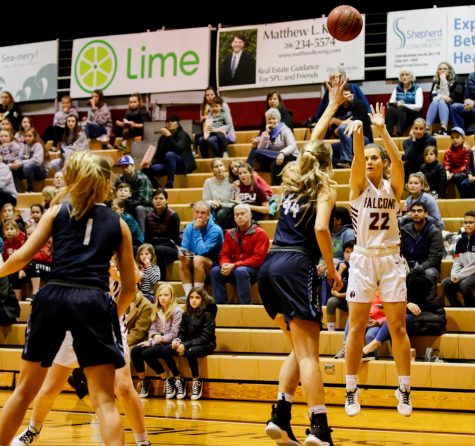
232	423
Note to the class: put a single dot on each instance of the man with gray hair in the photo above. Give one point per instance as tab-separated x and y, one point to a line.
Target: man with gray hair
202	241
244	250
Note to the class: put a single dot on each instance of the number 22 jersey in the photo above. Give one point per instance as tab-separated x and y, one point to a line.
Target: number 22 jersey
374	215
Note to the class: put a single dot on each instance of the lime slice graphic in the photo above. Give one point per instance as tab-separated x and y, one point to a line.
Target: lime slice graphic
95	66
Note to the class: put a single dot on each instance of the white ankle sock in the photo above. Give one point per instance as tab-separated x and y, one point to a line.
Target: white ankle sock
350	382
285	396
331	326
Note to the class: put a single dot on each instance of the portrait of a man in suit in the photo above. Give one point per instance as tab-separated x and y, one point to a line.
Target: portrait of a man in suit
239	66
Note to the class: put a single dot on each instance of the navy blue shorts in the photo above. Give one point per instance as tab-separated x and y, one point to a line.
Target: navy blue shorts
288	285
90	315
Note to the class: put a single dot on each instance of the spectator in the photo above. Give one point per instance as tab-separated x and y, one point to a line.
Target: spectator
139	203
434	172
423	248
276	147
419	139
149	272
59	121
99	119
333	77
162	231
9	109
26	124
244	250
217	194
405	104
8	192
463	114
138	319
133	123
118	206
173	153
446	88
462	275
456	159
203	239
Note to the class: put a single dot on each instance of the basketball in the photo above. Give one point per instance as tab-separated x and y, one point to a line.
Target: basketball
344	23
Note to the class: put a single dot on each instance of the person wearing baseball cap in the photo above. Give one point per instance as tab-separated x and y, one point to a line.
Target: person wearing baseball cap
173	153
456	159
142	190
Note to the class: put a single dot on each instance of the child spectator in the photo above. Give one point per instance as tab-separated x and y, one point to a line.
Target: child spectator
31	162
419	193
14	239
166	320
74	139
419	138
462	275
148	270
60	118
124	191
133	123
99	119
40	266
216	128
434	172
26	124
118	206
10	150
338	298
48	193
9	214
196	339
468	185
36	212
456	159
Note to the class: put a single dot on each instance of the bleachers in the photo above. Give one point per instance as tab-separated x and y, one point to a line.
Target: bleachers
251	349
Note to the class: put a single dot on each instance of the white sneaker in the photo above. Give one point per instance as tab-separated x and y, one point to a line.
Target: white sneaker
352	406
405	406
26	437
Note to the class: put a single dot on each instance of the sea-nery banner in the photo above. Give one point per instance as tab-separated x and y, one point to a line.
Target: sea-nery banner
286	53
421	39
30	72
150	62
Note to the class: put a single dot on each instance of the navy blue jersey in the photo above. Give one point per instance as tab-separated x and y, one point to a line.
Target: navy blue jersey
292	230
82	249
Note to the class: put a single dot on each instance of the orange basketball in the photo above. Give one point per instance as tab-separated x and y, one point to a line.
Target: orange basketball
344	23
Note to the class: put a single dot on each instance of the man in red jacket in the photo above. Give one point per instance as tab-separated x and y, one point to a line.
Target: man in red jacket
243	252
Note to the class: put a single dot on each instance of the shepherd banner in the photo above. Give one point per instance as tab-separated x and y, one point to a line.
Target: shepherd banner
150	62
421	39
29	72
286	53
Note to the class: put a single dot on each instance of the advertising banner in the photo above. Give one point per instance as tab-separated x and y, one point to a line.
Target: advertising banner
286	53
421	39
150	62
30	72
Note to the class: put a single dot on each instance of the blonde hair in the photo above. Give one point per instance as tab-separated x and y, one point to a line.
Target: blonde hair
422	179
311	175
157	308
87	178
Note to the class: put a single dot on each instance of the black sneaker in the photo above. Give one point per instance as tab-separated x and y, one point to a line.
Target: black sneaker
144	387
319	433
196	389
278	427
170	389
78	382
180	385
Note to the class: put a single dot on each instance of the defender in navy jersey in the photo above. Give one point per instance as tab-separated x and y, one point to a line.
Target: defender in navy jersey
76	298
287	279
376	264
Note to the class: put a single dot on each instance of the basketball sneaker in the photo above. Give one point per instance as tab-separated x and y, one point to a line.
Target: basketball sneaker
352	406
405	406
26	437
319	433
278	427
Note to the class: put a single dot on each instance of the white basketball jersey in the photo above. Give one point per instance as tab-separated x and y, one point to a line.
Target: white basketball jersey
374	214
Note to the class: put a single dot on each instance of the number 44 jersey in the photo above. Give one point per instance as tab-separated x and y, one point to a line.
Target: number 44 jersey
374	215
